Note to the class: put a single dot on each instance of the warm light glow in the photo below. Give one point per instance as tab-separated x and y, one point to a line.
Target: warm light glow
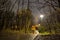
41	16
39	24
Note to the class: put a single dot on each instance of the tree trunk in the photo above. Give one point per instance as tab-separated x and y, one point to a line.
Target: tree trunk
59	2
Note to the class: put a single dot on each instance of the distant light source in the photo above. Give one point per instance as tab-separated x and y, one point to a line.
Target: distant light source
41	16
39	24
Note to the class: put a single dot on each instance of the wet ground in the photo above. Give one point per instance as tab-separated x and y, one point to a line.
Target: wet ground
19	36
15	36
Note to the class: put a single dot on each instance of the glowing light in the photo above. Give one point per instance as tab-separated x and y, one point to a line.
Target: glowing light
41	16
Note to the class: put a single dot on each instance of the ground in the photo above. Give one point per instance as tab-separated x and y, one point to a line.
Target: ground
47	37
16	35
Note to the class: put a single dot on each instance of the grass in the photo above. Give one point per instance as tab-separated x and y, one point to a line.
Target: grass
14	31
45	33
48	33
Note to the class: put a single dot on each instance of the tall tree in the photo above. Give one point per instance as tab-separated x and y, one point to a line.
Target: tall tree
24	19
59	2
4	12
